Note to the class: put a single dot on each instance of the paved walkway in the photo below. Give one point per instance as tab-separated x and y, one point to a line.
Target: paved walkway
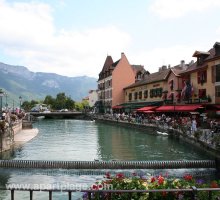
25	135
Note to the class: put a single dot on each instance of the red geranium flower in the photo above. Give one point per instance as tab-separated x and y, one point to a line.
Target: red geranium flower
214	184
108	175
188	177
152	180
120	175
160	180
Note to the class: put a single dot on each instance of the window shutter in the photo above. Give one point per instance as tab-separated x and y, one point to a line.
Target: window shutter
205	76
199	77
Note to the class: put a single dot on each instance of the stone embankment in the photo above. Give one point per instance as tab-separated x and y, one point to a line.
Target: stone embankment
16	135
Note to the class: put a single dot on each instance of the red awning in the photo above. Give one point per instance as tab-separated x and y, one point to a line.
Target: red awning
148	111
147	108
187	108
165	109
117	107
178	108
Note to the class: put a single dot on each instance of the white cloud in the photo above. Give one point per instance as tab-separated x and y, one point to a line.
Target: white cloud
179	8
28	32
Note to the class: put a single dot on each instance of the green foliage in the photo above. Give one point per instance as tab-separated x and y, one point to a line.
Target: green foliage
80	106
60	102
26	105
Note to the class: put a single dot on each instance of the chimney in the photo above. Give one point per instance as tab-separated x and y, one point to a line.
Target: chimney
191	62
182	63
122	54
164	67
217	48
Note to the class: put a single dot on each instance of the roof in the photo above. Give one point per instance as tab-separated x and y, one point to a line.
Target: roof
198	53
109	64
211	54
151	78
137	68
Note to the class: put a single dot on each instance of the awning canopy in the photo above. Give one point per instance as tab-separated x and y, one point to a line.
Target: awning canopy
165	109
178	108
148	111
147	108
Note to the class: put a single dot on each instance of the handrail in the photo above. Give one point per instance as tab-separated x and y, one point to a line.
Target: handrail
108	164
193	190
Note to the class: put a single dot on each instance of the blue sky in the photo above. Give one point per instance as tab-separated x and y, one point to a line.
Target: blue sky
73	37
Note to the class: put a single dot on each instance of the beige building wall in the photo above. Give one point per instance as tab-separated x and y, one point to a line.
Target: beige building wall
122	76
209	85
148	87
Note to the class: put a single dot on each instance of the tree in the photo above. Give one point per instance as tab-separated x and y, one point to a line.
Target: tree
26	105
49	100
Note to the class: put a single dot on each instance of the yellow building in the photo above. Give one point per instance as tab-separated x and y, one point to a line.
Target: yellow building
204	76
149	91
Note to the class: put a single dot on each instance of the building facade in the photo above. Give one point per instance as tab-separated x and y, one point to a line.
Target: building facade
204	76
112	79
148	91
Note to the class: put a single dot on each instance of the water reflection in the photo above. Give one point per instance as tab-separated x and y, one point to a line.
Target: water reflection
130	144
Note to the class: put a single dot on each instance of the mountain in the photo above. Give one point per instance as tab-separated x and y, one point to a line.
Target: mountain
19	81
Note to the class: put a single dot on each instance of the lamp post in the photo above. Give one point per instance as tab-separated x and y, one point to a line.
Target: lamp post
20	98
6	101
1	95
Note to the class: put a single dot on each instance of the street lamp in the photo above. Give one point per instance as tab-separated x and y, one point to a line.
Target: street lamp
6	101
1	95
20	98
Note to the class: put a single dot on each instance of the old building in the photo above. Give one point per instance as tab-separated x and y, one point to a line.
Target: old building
148	91
113	77
204	77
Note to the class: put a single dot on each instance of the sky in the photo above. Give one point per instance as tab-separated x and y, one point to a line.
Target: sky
74	37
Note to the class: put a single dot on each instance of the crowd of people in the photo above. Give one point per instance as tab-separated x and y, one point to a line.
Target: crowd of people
169	120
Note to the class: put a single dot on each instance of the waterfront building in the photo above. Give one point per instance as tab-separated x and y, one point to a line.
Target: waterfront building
148	91
113	77
175	83
204	77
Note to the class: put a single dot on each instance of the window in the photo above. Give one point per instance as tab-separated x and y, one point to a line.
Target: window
202	77
202	93
130	96
140	95
217	73
145	93
135	95
217	91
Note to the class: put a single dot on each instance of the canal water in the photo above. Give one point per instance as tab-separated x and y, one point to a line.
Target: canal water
78	140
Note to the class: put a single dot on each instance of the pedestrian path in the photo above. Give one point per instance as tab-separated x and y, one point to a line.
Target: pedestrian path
25	135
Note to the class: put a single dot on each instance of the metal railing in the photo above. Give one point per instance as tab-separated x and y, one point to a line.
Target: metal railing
193	191
108	164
